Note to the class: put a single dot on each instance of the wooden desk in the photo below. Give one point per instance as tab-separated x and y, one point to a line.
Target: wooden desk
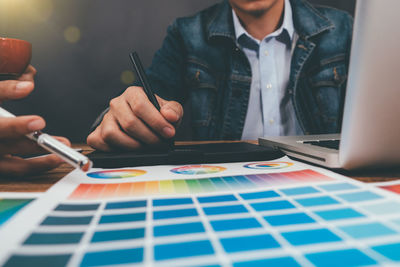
42	182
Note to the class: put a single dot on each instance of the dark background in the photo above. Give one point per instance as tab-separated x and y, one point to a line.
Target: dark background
80	49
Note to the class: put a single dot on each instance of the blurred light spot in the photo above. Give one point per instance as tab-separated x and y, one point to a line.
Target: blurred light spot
127	77
72	34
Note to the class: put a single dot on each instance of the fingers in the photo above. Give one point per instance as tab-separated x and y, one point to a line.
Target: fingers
143	109
131	124
22	147
17	167
15	89
19	126
108	136
29	74
172	111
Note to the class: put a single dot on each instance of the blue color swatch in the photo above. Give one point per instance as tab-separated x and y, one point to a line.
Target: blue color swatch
172	202
391	251
171	214
388	207
338	187
272	205
259	195
77	207
289	219
225	210
57	220
122	218
183	250
118	235
246	243
274	262
307	237
348	257
367	230
178	229
212	199
317	201
339	214
53	238
113	257
359	196
235	224
38	260
300	191
126	205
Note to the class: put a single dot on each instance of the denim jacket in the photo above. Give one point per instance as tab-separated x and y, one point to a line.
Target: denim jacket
199	62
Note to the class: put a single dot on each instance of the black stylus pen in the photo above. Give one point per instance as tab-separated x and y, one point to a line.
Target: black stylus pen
137	64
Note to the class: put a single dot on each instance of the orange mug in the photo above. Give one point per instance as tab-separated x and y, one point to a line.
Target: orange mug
15	56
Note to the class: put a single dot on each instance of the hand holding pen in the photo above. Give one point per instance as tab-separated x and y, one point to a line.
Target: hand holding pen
135	118
14	130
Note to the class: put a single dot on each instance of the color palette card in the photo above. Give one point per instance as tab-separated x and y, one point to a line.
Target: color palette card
278	213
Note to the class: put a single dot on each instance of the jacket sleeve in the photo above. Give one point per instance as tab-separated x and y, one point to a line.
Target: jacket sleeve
166	73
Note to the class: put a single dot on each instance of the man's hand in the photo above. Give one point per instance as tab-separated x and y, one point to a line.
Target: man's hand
13	130
133	121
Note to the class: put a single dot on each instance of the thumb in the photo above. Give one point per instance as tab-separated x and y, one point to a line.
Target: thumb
171	110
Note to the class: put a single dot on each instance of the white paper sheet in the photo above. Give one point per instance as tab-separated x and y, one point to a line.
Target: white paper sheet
278	212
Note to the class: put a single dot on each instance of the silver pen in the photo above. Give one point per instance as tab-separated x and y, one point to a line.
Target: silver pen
54	146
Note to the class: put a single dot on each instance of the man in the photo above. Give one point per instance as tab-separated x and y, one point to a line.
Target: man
249	68
13	130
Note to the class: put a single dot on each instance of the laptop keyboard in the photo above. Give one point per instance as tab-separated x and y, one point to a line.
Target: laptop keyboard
333	144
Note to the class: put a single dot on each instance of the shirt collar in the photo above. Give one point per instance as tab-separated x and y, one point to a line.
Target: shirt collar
287	25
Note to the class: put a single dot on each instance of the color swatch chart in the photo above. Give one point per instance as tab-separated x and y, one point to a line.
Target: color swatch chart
10	206
193	186
327	223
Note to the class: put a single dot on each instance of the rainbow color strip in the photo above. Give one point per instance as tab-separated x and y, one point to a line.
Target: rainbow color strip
268	165
190	186
116	174
9	207
198	169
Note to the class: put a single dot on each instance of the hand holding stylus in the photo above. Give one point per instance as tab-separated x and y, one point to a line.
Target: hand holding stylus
134	119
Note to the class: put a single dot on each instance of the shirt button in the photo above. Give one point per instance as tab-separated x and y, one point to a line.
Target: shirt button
271	121
266	53
269	86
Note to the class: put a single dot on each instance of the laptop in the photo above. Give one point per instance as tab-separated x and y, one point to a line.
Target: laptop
370	134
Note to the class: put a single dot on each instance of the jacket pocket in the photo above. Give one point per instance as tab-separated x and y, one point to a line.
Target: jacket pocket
327	85
202	86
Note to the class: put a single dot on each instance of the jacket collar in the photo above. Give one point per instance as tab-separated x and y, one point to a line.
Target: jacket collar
307	21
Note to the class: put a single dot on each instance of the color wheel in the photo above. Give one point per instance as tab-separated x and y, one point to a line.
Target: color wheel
116	174
198	169
268	165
